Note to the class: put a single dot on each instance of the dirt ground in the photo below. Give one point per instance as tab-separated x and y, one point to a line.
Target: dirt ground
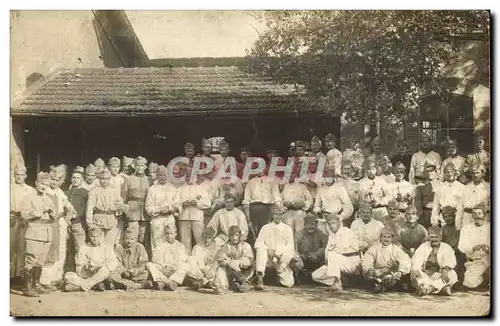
274	301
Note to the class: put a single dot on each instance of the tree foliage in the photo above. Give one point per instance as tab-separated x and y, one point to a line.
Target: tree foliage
364	62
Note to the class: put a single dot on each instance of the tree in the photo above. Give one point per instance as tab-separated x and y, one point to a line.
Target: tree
368	64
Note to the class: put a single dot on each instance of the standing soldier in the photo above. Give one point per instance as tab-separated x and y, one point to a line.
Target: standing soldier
104	206
453	157
334	156
475	193
99	165
450	193
426	154
401	190
162	205
297	200
402	156
190	153
346	180
152	172
386	169
355	155
376	154
18	191
90	177
425	193
116	182
134	194
373	189
271	153
316	148
481	156
39	213
127	167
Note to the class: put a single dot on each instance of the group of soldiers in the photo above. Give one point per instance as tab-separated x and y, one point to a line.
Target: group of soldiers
411	222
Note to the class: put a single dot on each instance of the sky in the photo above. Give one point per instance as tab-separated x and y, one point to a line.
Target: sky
180	34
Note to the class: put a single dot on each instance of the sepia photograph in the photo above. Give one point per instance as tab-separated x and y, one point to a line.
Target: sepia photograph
250	163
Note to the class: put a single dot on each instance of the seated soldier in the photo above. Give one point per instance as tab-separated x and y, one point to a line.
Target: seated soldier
475	244
310	245
169	265
132	258
451	236
274	250
226	217
235	260
365	227
412	234
342	255
202	263
395	221
384	264
433	266
94	263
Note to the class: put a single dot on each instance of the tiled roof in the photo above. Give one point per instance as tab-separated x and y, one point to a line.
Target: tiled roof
160	91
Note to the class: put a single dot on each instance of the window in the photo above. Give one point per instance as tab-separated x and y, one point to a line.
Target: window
433	129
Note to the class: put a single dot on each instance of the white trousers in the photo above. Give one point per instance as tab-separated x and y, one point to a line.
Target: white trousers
161	274
195	272
337	264
263	261
158	229
55	272
434	280
294	219
474	272
86	283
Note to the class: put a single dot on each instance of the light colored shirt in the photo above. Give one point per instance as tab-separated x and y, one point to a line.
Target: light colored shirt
170	254
404	189
344	241
472	235
449	194
197	193
17	194
357	158
391	257
473	195
162	196
116	182
418	163
334	159
35	205
445	256
204	256
296	192
224	219
367	233
275	236
482	157
100	256
236	254
334	199
459	163
103	199
373	189
235	189
261	190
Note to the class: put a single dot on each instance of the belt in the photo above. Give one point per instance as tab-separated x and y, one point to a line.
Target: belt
141	200
99	211
427	209
351	254
402	210
41	222
468	210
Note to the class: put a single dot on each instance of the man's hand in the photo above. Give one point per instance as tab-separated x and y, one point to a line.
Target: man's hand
287	204
417	274
378	273
477	247
397	276
126	274
298	205
244	265
222	262
444	275
271	253
371	272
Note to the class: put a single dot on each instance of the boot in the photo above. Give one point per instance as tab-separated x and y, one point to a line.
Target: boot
28	281
36	273
259	282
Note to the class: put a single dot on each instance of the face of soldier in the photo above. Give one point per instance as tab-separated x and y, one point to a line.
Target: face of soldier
277	217
244	156
76	179
371	171
300	151
114	169
162	178
311	226
356	144
140	168
42	186
347	171
189	152
425	143
315	147
19	177
94	239
376	148
229	204
386	239
170	235
55	181
477	175
207	241
450	175
99	167
478	217
452	150
479	145
399	174
90	177
384	166
365	214
411	216
129	240
393	211
449	219
152	173
270	155
333	225
207	149
434	239
432	174
402	149
105	181
224	151
235	238
330	144
127	168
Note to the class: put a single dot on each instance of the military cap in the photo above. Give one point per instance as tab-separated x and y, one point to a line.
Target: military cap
316	140
425	135
376	140
140	160
482	207
205	142
410	208
436	230
300	143
170	227
208	233
94	230
245	150
479	137
332	216
152	166
392	203
310	218
42	177
19	168
478	166
365	205
234	229
114	161
448	210
188	146
399	167
127	160
419	175
387	230
450	142
450	165
51	167
59	171
79	169
104	174
430	166
229	195
330	137
161	169
223	143
276	209
90	168
99	161
132	231
346	162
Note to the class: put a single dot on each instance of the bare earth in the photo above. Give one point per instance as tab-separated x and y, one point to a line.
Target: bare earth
275	301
